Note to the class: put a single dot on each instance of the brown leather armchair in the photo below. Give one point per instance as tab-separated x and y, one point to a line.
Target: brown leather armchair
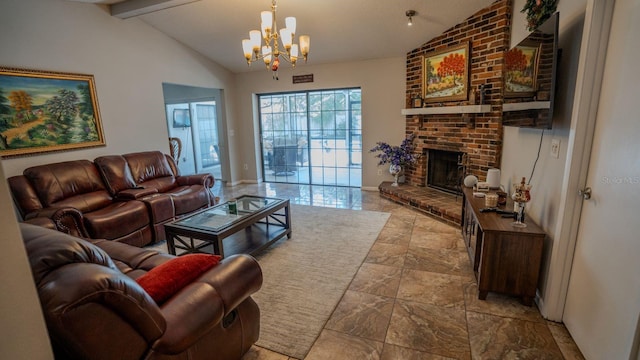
94	308
70	190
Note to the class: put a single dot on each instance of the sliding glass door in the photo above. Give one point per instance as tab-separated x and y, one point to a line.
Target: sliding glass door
312	137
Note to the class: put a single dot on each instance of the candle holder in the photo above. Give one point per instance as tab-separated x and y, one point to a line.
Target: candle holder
521	196
520	215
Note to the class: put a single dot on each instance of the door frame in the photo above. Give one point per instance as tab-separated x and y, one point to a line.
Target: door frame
593	49
177	93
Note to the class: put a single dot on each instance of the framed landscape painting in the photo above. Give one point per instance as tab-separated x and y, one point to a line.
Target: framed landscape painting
43	111
445	74
521	71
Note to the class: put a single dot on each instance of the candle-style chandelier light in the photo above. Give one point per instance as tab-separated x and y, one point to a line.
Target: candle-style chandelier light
270	52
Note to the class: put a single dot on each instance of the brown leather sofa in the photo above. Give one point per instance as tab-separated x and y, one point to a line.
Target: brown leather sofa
126	198
152	177
94	308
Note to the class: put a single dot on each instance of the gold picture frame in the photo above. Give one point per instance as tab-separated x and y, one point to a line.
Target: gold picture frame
45	111
445	74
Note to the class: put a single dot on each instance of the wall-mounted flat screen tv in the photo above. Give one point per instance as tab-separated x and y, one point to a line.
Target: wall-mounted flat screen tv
530	78
181	118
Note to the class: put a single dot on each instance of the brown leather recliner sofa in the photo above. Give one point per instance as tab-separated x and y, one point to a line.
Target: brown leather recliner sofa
95	309
126	198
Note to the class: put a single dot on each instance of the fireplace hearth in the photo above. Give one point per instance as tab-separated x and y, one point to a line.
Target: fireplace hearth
435	203
445	170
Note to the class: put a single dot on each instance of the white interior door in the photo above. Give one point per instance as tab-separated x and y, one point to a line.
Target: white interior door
602	309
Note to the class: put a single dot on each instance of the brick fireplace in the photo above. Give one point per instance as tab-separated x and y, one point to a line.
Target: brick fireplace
478	136
445	170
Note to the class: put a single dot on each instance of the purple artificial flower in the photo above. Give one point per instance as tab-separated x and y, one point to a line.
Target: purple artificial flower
397	155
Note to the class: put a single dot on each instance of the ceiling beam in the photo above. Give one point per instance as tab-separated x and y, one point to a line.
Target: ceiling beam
131	8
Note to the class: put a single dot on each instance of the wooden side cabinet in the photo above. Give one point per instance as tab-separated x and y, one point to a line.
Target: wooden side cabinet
504	258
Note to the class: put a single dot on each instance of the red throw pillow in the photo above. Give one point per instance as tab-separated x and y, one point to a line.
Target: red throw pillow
165	280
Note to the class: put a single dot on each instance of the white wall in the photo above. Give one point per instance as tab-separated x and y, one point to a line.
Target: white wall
23	334
520	147
383	95
129	60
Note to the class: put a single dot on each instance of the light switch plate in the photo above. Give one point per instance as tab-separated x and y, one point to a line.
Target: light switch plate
555	148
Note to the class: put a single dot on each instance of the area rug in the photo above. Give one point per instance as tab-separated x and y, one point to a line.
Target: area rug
306	276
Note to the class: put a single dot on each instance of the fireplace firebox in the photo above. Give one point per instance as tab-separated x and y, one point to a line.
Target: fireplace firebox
445	170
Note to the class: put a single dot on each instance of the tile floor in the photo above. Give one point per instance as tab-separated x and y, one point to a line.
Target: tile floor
415	296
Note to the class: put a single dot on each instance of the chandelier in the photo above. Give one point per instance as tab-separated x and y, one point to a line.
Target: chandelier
270	52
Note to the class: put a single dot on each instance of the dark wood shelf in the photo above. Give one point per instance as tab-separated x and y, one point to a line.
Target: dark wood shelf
253	239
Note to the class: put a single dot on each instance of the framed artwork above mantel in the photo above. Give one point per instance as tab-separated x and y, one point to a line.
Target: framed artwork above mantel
46	111
445	74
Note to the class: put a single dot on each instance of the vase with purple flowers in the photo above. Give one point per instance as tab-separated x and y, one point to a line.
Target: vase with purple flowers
397	156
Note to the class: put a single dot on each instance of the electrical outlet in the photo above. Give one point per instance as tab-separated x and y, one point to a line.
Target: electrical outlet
379	172
246	166
555	148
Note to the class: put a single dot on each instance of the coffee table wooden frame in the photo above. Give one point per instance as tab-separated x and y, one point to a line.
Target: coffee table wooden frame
249	235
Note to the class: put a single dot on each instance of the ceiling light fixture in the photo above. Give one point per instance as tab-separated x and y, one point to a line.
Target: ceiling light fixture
270	52
410	14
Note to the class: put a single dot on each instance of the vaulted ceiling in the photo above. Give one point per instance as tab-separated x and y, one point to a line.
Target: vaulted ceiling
340	30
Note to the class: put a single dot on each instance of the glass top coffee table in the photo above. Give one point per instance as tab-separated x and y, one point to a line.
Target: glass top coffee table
249	227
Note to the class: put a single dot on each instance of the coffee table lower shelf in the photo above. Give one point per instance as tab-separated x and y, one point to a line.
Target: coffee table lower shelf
251	240
250	236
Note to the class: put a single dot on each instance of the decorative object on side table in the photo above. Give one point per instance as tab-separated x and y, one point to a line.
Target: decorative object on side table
491	200
397	156
521	196
493	178
502	197
470	181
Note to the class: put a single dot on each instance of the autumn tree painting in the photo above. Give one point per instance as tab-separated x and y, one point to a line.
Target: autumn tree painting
445	74
515	60
46	111
452	65
520	70
21	102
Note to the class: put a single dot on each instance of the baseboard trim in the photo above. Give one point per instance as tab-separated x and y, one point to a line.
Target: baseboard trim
240	182
369	188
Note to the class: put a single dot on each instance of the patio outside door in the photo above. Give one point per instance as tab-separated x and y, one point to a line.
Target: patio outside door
312	137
